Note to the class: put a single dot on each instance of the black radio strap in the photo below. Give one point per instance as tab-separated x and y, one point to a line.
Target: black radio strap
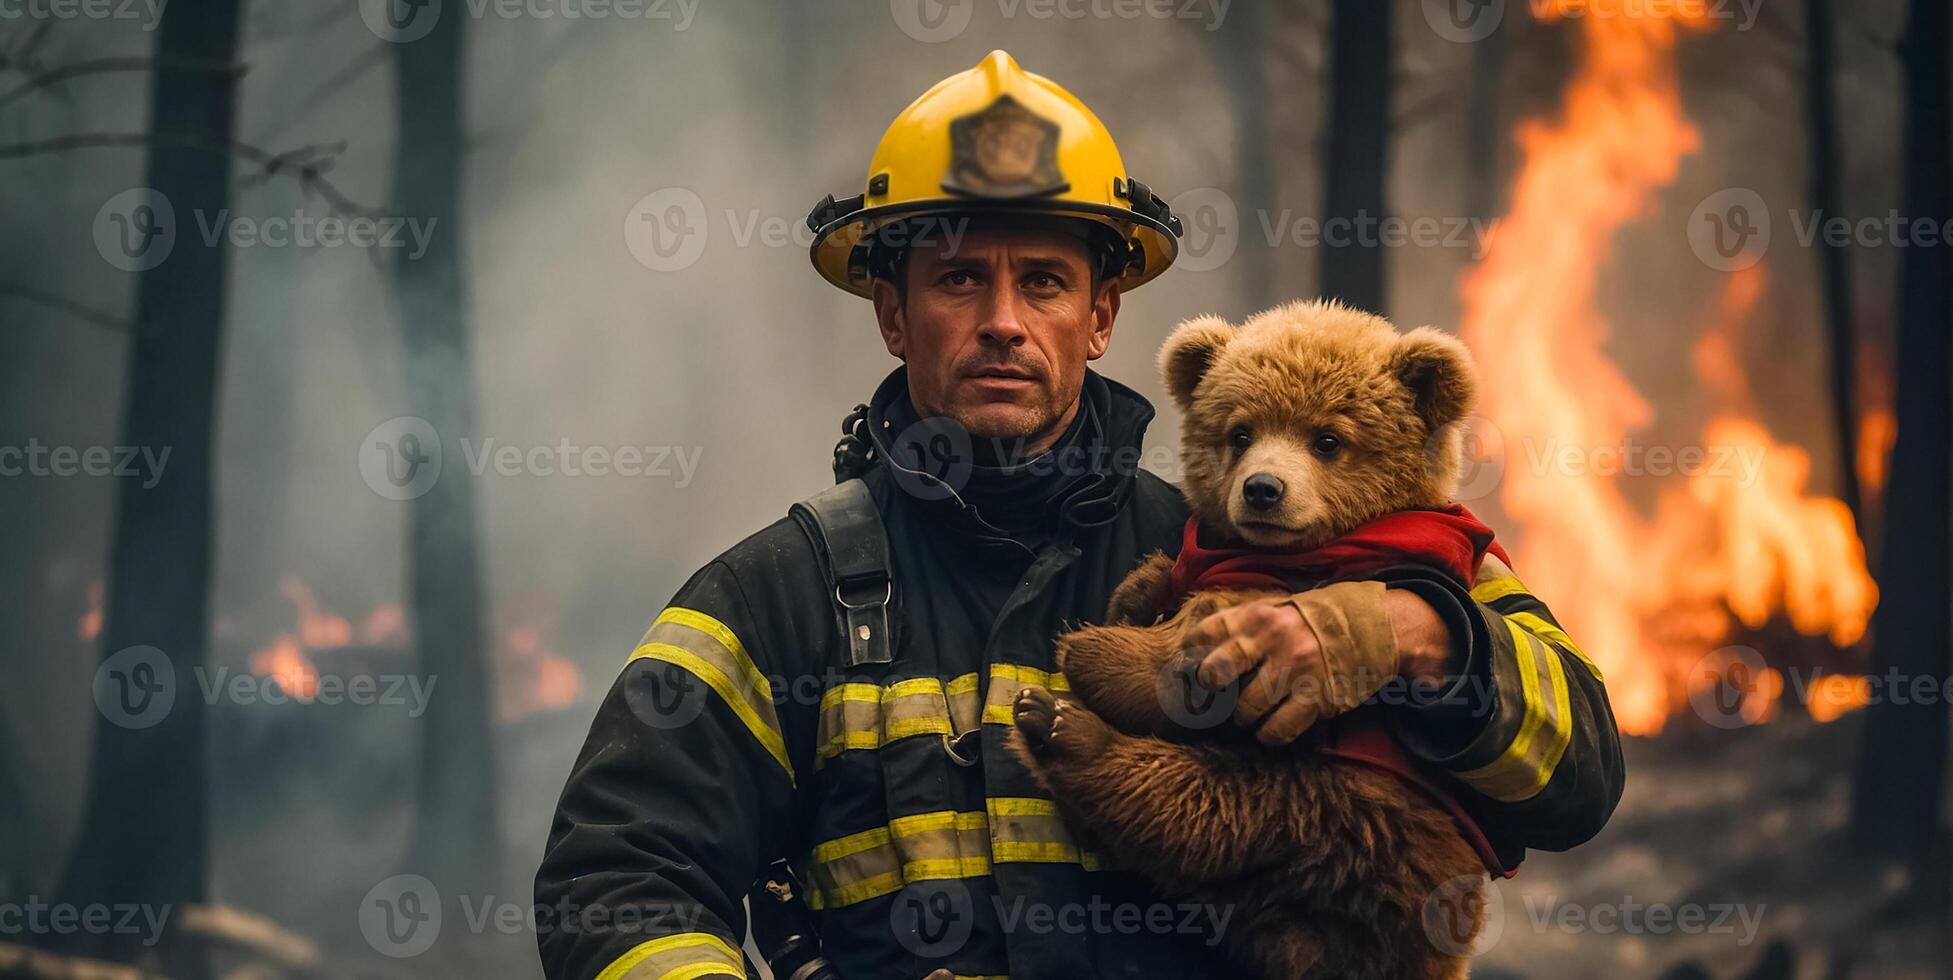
849	539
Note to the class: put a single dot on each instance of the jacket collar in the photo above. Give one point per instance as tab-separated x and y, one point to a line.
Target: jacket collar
933	459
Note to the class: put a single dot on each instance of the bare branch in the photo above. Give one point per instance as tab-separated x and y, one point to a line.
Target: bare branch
306	164
77	310
21	56
101	66
346	75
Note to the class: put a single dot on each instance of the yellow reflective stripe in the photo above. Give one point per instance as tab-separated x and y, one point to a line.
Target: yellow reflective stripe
920	847
1527	764
679	957
717	631
1498	588
1020	806
914	707
862	693
1028	676
928	840
855	893
939	845
964	710
842	847
1543	628
851	718
865	716
1029	829
1008	679
913	686
853	869
723	665
940	820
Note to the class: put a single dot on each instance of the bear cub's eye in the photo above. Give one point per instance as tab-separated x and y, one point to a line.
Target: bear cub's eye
1240	437
1327	445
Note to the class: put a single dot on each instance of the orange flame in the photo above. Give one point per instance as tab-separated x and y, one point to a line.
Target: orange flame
287	659
1878	426
1834	695
316	628
1648	598
285	662
532	677
90	624
1878	429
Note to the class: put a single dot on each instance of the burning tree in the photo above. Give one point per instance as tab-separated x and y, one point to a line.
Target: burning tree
1651	597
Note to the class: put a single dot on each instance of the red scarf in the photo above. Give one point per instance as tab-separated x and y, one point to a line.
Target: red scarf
1449	539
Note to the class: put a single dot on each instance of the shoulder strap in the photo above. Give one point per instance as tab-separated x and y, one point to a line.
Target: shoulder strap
852	545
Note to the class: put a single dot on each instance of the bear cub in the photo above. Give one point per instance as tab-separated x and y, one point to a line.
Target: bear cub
1301	425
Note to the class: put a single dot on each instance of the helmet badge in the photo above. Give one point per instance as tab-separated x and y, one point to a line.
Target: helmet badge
1005	151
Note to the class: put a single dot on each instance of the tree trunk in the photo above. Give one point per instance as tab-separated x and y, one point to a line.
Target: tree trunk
456	836
1243	70
1834	265
1484	135
1357	160
144	836
1897	800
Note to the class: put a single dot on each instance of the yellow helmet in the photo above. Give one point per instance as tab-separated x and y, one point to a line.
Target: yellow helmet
992	139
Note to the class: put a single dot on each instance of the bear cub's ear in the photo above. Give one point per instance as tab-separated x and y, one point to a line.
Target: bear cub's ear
1190	350
1438	370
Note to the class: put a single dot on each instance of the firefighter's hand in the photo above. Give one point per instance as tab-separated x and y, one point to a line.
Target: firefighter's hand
1316	654
940	975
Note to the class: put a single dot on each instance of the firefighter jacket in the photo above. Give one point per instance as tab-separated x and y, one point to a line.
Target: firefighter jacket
735	734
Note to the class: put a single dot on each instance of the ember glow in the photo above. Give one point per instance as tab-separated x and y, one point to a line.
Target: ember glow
531	676
90	625
1649	596
285	661
289	657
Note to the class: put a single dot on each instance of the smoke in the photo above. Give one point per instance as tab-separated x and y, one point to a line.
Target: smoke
721	347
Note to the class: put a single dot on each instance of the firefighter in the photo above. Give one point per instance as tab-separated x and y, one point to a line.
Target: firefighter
835	690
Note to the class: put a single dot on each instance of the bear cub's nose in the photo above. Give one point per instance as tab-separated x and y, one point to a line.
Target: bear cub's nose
1262	490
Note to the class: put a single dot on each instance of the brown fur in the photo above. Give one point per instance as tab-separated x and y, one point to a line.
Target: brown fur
1327	865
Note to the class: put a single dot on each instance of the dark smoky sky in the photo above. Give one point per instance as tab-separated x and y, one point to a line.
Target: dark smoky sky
739	364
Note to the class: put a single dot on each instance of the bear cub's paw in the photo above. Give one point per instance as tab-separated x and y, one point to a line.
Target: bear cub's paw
1036	713
1051	725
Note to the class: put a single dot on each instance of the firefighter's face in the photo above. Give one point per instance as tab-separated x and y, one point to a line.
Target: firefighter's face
997	330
